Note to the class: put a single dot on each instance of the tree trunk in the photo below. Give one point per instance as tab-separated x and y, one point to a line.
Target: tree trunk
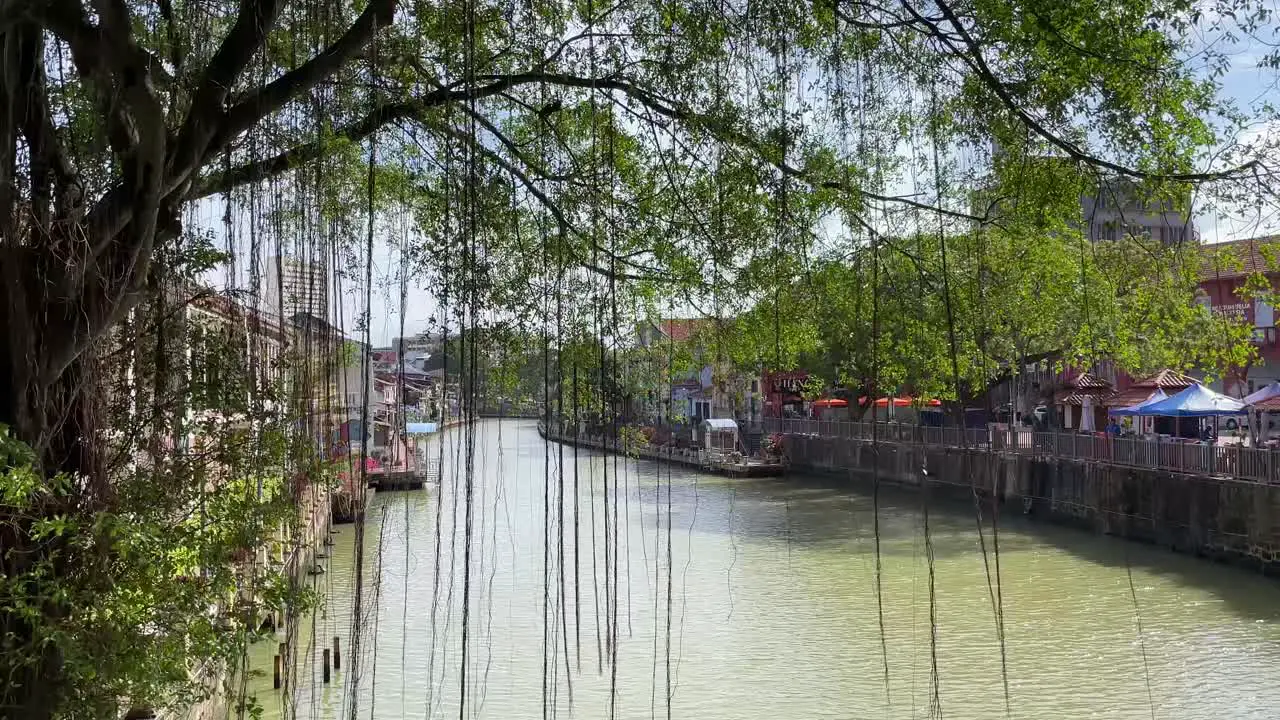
34	670
56	420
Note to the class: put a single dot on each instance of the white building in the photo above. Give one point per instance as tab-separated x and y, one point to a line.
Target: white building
1114	212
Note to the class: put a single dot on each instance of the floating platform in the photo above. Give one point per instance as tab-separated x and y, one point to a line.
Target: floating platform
696	459
410	479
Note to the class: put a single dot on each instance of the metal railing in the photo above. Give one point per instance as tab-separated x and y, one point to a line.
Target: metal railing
1236	461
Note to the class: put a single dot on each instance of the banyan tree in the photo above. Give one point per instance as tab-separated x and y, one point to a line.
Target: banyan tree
560	164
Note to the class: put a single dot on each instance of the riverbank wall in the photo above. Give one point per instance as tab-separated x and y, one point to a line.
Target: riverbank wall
697	459
1215	517
294	552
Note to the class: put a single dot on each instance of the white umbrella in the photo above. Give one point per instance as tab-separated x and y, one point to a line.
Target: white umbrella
1086	415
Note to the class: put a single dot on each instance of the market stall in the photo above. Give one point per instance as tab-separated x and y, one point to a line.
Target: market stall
1197	402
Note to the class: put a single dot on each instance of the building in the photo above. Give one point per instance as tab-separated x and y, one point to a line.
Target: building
1170	382
234	354
223	364
293	285
1115	211
782	396
1225	269
710	390
1079	402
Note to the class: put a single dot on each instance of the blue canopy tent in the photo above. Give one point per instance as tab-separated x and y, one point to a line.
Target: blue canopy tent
1136	409
425	428
1195	401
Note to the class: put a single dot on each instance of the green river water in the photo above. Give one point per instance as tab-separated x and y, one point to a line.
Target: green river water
773	609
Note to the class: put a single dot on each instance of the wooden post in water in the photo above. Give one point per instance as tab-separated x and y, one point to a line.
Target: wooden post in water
275	673
337	653
326	665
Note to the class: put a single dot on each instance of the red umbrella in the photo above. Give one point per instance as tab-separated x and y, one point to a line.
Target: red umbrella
830	403
907	401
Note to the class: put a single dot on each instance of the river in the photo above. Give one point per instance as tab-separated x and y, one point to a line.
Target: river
773	606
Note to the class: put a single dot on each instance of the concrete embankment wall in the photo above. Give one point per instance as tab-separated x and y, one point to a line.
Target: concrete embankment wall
1214	517
313	527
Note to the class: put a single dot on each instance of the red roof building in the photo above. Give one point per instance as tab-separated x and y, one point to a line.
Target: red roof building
782	393
681	329
1081	390
1170	381
1224	269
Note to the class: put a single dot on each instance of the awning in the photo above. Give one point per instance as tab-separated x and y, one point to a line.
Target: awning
830	403
420	428
721	424
1195	401
1264	393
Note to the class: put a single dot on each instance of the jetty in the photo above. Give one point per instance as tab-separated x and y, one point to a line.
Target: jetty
415	478
719	462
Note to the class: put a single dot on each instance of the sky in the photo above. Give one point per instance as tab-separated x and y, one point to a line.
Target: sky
1246	84
1250	87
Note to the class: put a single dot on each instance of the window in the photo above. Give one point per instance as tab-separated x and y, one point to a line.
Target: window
1138	231
755	386
1264	316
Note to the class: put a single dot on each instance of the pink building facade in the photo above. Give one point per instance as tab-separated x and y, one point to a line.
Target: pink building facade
1219	285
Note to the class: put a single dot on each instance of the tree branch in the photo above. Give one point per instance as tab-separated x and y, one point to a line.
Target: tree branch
254	20
561	220
972	55
393	112
94	59
271	97
48	161
896	21
354	132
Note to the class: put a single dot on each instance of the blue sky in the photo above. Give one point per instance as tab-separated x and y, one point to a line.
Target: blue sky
1250	87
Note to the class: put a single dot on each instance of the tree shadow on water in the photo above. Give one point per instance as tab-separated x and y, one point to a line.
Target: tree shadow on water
809	511
835	512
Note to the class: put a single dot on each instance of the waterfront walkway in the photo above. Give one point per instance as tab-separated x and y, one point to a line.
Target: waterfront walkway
1255	465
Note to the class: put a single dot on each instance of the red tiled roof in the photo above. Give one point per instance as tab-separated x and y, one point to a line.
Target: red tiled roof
1170	381
231	309
1085	381
1076	397
1271	404
1166	379
681	329
1079	387
1239	258
1126	398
